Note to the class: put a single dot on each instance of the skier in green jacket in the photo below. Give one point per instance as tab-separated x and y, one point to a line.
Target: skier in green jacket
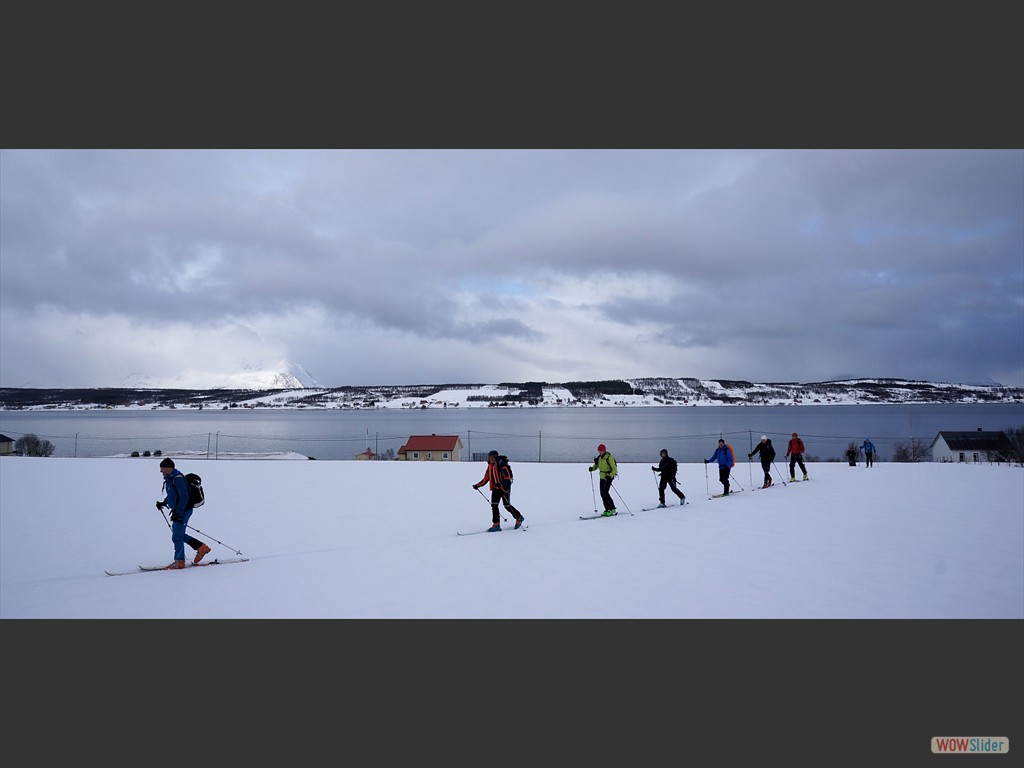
605	463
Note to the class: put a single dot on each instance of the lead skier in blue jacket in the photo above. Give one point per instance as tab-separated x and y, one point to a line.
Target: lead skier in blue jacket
177	500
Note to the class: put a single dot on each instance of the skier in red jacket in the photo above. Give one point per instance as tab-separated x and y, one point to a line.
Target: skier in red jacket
795	454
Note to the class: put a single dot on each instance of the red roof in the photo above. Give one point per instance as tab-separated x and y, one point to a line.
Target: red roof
430	443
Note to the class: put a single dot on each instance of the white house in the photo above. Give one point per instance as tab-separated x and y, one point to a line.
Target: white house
971	447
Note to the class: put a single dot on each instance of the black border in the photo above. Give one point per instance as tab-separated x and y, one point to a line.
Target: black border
717	692
417	78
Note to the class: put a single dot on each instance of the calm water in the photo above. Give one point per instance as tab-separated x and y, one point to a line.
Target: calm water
524	434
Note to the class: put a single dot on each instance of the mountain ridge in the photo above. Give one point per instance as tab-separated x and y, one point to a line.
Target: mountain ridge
636	392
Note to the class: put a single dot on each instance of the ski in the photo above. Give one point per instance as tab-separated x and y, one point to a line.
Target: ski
596	517
720	495
150	568
667	506
523	527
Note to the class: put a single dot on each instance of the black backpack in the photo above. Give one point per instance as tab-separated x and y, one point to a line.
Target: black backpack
503	462
196	497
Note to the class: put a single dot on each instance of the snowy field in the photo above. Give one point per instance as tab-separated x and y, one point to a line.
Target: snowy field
378	540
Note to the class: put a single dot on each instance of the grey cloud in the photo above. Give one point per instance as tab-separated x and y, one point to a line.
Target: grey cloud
861	258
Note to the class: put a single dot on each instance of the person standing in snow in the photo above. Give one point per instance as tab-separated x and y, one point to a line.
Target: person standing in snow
668	467
726	460
498	476
795	454
605	463
767	454
869	452
176	499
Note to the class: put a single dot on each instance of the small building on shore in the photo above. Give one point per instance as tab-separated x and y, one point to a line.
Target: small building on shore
431	448
972	447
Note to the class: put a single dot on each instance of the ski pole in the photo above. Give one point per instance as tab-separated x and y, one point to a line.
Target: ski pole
781	476
707	487
211	538
622	499
657	485
592	490
236	551
488	501
737	483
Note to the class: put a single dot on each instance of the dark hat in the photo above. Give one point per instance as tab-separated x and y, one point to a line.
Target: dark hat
721	439
493	453
601	448
167	463
664	451
794	434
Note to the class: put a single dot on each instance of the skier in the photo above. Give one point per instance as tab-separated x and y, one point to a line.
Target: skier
869	452
851	456
726	460
767	452
668	467
499	476
795	454
605	462
176	498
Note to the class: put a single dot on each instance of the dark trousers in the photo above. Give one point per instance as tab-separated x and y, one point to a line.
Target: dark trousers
766	467
723	477
796	458
606	496
671	483
505	497
869	459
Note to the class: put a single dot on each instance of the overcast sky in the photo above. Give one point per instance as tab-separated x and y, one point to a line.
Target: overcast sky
444	266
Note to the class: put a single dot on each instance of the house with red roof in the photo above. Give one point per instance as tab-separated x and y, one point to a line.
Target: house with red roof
431	448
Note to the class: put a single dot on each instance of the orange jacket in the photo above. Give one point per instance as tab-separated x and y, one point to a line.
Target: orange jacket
795	447
497	476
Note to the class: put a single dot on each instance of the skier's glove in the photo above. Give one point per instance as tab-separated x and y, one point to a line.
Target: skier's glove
750	455
705	461
176	518
160	505
590	469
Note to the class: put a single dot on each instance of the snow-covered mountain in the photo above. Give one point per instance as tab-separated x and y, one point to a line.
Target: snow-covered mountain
283	375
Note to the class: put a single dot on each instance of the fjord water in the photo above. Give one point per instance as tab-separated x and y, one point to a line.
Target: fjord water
525	434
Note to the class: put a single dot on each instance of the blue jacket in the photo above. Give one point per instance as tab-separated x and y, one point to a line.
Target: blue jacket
176	488
724	456
868	446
